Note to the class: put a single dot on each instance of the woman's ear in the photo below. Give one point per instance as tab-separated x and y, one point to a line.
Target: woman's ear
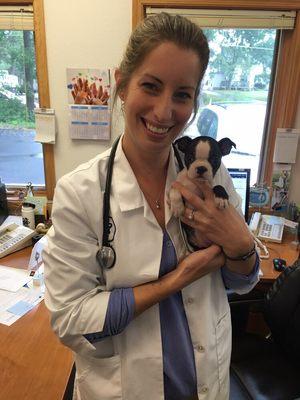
118	80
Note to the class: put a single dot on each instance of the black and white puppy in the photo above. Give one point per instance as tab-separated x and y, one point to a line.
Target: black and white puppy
202	159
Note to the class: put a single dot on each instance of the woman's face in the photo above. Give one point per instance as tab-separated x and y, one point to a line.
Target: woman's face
159	97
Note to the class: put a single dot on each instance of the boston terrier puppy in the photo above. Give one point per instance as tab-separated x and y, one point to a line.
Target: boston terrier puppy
202	159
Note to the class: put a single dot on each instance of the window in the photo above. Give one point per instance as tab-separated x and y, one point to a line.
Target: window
21	158
23	86
282	91
236	88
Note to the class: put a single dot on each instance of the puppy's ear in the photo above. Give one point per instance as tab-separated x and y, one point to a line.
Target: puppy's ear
183	142
226	145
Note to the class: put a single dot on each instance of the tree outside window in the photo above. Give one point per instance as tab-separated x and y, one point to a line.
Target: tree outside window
21	159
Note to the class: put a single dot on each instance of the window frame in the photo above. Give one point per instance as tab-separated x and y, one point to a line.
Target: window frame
43	90
285	98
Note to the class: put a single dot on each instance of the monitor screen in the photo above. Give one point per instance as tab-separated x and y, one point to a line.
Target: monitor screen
241	182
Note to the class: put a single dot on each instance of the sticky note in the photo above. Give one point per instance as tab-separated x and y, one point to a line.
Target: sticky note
20	308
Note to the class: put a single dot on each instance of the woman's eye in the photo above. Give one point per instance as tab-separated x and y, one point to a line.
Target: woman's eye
150	86
183	96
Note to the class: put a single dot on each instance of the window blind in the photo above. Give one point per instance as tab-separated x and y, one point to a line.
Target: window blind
16	18
247	19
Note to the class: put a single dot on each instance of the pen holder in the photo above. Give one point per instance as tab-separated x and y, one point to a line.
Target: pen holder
28	215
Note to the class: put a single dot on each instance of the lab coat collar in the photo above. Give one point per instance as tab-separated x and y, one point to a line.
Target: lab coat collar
124	182
126	187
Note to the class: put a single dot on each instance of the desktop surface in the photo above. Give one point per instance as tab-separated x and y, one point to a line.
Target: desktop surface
34	364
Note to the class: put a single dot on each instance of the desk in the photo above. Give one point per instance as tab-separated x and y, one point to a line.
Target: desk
285	250
34	365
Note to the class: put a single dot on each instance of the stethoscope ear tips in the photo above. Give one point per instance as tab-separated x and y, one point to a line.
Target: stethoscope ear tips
106	257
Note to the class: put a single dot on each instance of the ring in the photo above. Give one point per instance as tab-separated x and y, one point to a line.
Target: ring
191	216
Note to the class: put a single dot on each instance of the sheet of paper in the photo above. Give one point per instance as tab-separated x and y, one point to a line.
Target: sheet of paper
44	125
291	224
12	219
36	260
286	146
20	308
89	122
13	305
12	279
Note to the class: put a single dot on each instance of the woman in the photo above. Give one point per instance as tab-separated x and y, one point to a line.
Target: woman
157	324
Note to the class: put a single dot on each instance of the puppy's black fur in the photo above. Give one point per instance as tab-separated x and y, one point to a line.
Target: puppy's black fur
202	159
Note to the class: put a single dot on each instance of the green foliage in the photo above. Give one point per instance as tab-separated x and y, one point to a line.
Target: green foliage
14	113
17	56
229	96
242	48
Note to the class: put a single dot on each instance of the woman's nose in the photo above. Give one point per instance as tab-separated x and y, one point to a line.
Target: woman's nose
163	108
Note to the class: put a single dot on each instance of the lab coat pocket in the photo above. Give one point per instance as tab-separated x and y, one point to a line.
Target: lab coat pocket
99	378
223	343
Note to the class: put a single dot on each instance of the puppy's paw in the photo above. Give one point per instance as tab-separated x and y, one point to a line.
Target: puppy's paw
176	203
221	197
221	203
177	209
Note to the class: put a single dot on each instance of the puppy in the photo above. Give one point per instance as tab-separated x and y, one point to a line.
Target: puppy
202	159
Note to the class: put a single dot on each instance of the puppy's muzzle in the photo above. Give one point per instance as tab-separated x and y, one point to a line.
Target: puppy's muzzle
201	170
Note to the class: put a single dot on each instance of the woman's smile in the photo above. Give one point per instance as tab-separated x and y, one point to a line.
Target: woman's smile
155	128
159	99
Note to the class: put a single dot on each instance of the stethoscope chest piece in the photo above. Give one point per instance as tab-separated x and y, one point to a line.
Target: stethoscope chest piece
106	257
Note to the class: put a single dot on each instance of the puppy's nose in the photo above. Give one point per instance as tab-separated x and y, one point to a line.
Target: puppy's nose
201	170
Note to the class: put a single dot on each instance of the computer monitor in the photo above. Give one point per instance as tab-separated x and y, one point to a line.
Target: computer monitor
241	182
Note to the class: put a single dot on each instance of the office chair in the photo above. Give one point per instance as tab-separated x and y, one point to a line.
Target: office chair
269	368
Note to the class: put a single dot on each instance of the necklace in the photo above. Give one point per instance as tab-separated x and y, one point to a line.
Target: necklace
157	201
144	185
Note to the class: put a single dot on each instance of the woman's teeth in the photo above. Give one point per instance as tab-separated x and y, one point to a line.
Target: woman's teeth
155	129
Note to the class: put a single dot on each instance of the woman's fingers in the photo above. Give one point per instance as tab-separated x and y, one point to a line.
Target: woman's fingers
205	188
212	251
195	201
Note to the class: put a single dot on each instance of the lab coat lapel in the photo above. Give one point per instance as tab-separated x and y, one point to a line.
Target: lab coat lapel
124	183
126	187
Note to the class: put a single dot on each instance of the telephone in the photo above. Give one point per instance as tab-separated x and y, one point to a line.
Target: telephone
14	237
267	227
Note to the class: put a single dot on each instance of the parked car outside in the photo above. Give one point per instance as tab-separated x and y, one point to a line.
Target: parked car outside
243	123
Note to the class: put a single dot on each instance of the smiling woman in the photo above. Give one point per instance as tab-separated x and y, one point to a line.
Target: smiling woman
155	322
161	100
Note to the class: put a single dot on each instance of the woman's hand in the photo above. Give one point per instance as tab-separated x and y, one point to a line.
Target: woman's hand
198	264
81	91
191	268
98	96
224	227
85	93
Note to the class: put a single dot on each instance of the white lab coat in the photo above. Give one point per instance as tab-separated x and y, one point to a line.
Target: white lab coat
127	366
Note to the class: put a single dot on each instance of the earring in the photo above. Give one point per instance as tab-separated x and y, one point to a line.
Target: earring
123	107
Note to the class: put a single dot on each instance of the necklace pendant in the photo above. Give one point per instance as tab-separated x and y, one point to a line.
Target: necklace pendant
157	205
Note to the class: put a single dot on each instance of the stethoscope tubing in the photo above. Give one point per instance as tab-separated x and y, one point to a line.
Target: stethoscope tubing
106	255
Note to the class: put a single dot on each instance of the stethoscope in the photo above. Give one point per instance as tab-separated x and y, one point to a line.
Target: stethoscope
106	255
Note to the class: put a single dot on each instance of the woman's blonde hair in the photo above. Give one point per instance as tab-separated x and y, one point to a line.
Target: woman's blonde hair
153	31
